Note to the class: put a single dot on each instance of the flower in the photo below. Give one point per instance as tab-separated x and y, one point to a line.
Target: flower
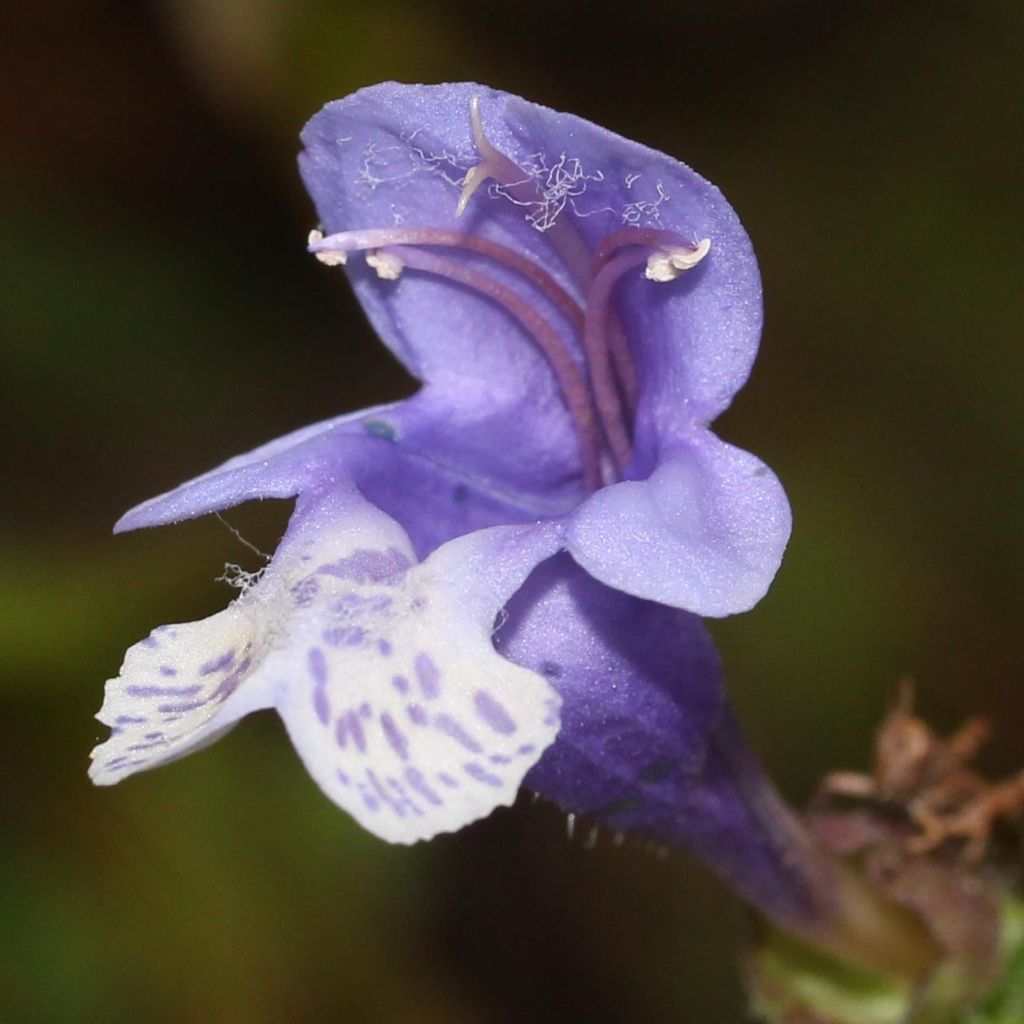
578	308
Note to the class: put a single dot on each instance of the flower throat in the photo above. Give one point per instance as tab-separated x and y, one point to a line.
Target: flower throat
601	390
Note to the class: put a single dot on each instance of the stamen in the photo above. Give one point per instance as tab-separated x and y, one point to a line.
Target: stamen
341	244
668	264
388	266
567	373
337	258
673	256
597	349
652	238
622	361
611	398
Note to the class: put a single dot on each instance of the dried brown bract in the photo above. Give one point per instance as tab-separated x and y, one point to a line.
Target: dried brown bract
926	779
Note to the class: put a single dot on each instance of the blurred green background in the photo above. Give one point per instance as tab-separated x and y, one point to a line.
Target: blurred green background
158	313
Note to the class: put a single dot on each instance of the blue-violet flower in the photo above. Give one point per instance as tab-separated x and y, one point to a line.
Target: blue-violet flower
578	308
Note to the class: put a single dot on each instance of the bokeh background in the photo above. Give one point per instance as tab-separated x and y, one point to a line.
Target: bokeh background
158	314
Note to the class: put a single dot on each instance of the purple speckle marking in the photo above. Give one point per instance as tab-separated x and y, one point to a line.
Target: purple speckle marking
342	777
317	666
217	664
130	720
162	691
415	779
320	705
395	737
153	736
428	676
493	713
367	566
341	732
526	748
385	648
416	714
230	682
481	774
385	796
447	780
318	670
400	683
151	642
450	727
499	759
364	710
304	592
403	797
350	636
167	670
181	709
356	731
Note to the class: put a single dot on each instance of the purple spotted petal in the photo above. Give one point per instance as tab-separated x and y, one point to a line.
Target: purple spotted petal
647	746
394	696
705	532
180	689
381	667
184	685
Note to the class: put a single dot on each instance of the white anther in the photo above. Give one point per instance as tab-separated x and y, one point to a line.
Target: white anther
668	264
337	258
387	264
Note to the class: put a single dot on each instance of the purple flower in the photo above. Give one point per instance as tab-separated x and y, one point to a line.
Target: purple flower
578	309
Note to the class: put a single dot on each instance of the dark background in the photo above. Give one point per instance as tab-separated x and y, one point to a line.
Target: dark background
158	313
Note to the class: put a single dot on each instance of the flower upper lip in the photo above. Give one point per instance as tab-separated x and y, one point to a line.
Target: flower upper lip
592	363
561	218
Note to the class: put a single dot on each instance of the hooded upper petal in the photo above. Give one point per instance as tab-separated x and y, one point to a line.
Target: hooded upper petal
695	523
398	154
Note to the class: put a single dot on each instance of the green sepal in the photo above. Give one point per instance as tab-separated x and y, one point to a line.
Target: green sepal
791	982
